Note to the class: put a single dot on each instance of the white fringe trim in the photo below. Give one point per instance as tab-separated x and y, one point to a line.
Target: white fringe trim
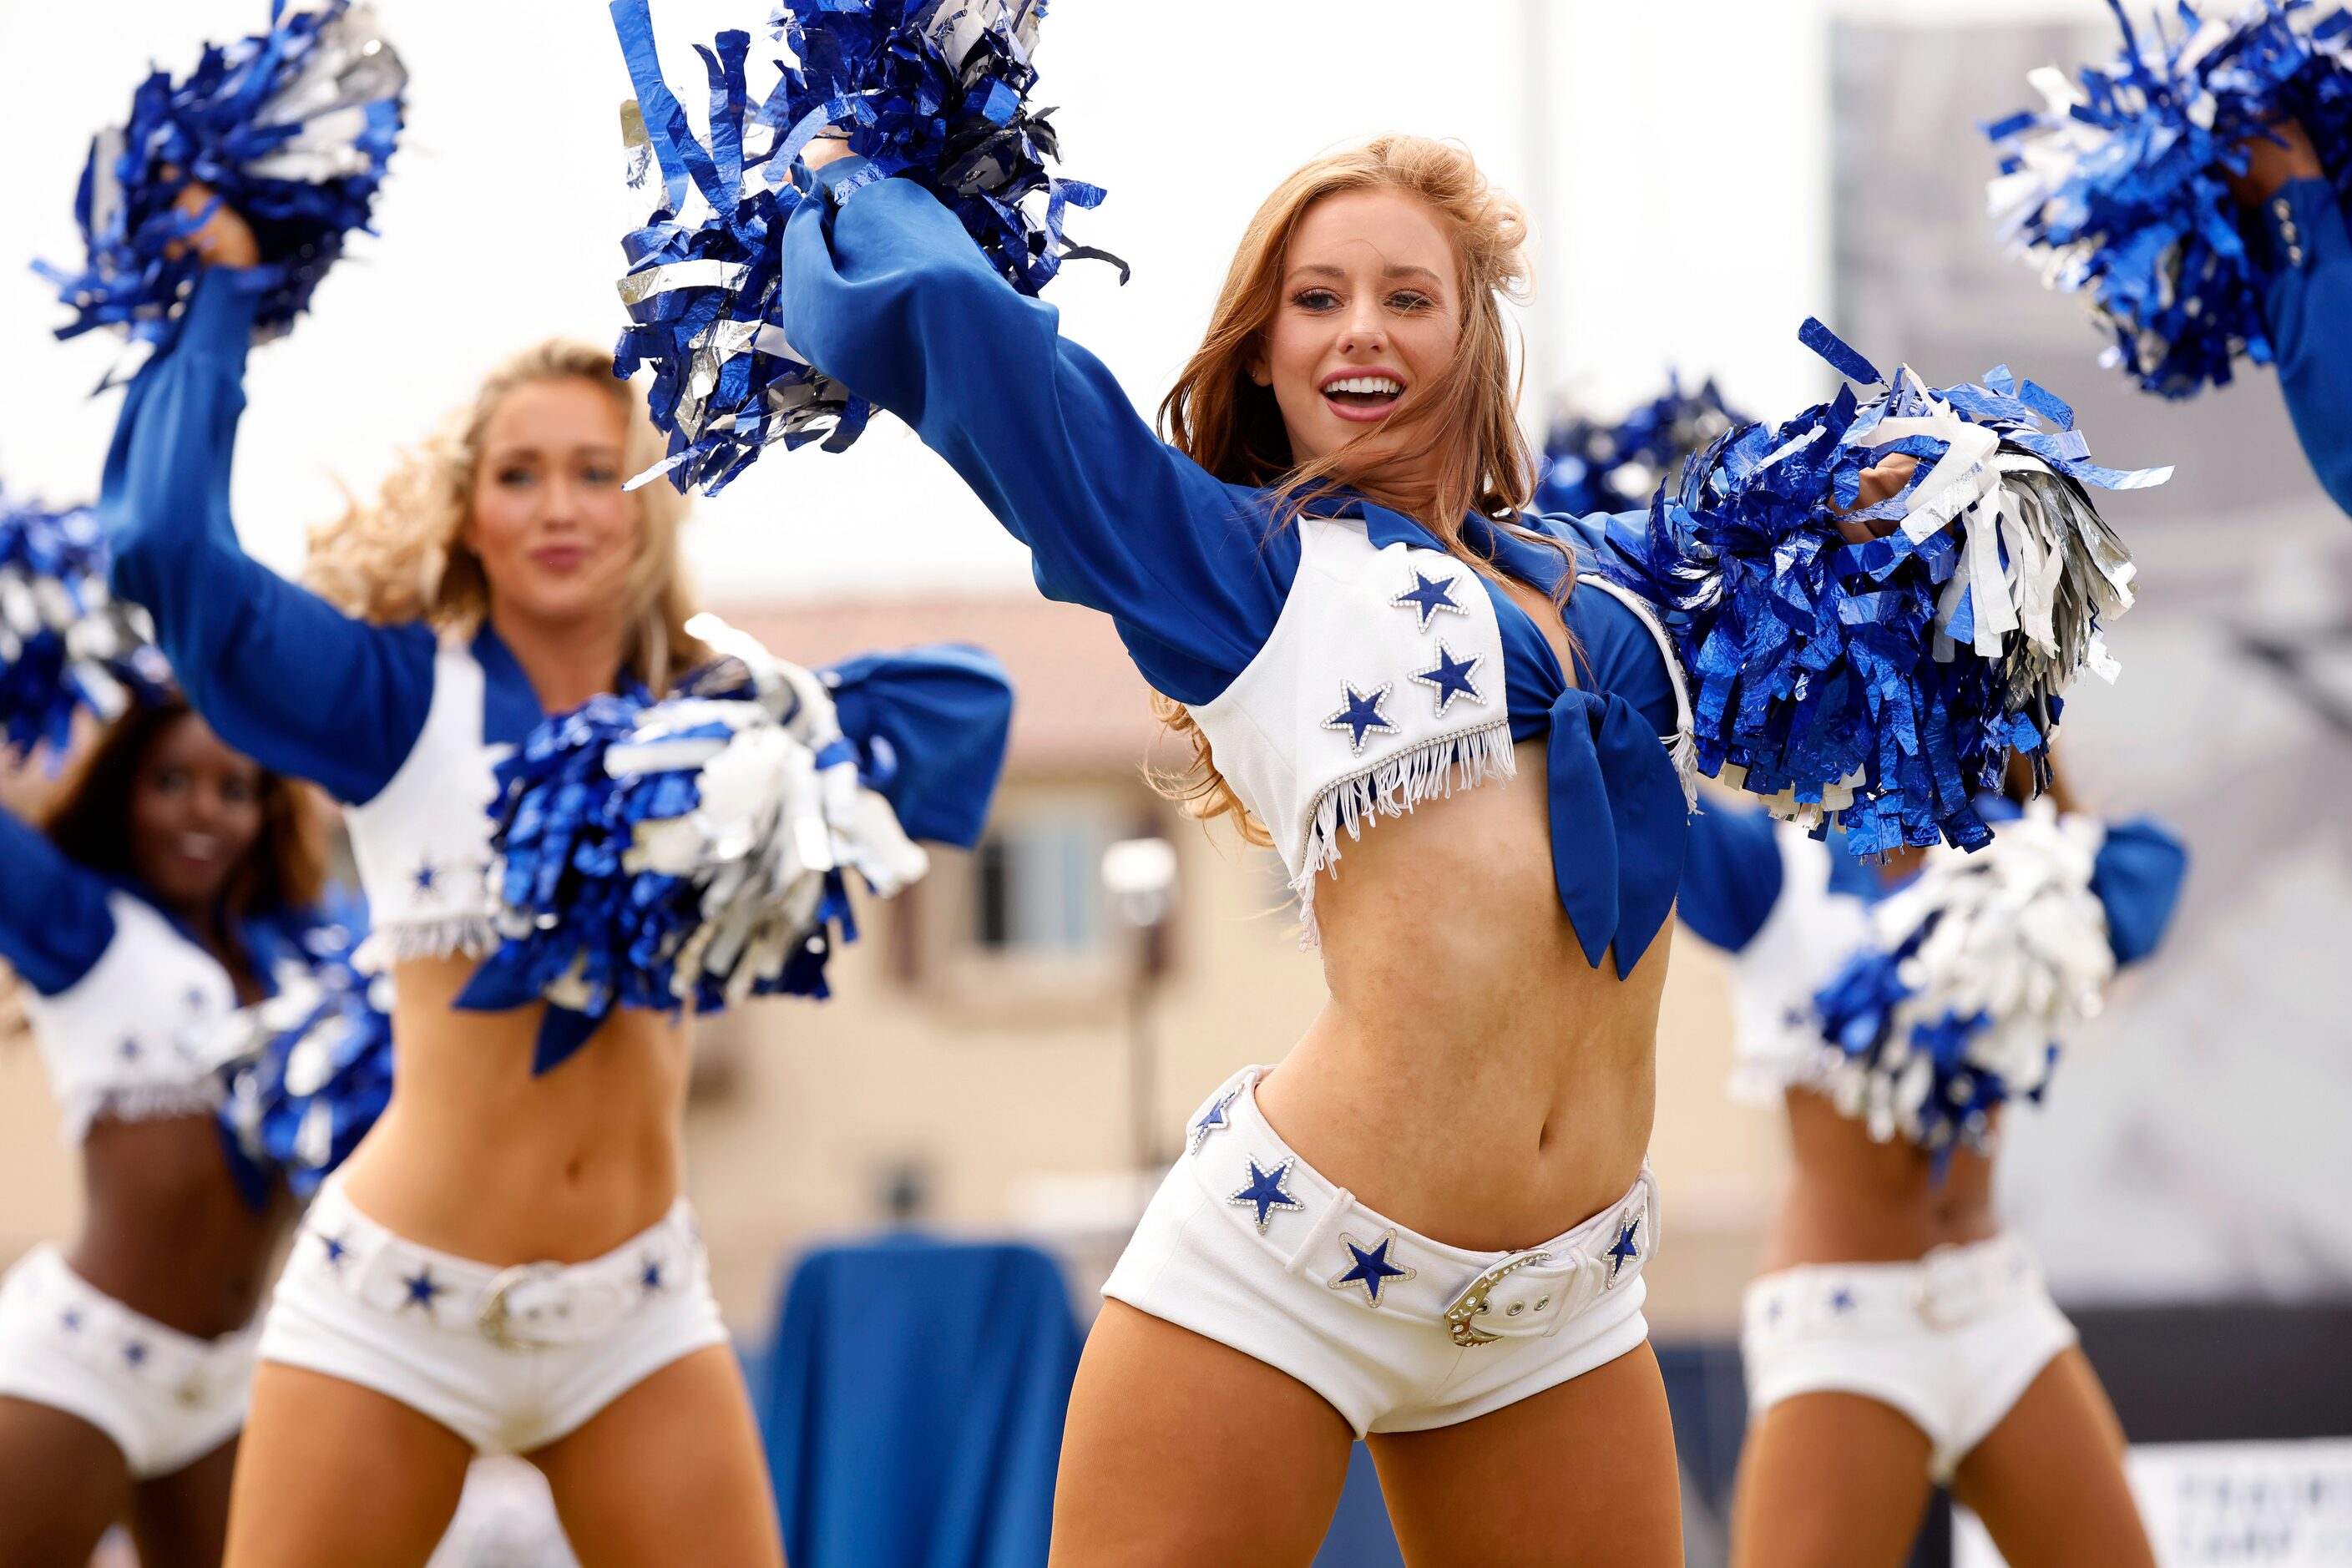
471	936
1391	788
138	1103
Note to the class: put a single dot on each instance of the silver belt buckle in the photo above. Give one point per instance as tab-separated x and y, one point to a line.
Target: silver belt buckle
1947	1291
493	1318
1462	1317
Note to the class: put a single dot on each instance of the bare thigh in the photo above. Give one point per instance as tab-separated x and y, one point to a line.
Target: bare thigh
1185	1453
1830	1481
181	1521
671	1472
331	1472
1582	1473
2049	1481
62	1483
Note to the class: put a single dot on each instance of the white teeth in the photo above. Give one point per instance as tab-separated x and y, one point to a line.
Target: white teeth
1368	384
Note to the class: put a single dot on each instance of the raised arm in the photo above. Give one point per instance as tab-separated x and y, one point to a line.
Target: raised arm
890	297
54	922
2138	878
930	726
276	671
2300	237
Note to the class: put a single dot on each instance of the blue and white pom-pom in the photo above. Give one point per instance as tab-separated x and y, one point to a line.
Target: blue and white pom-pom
1589	466
67	645
935	91
292	129
318	1070
1881	685
2117	189
1977	971
683	853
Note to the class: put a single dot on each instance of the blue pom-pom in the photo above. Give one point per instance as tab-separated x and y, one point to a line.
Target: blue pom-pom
291	129
1973	973
2118	188
933	90
1882	684
685	853
1589	466
67	646
321	1070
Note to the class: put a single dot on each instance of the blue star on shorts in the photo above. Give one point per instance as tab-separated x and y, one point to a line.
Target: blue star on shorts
1623	1251
1265	1189
1372	1268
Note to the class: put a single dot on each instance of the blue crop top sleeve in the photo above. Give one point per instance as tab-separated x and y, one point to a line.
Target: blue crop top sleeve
278	673
890	297
55	925
1731	875
930	725
2138	878
2307	305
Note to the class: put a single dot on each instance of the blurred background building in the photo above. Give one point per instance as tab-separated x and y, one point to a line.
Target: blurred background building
1007	1055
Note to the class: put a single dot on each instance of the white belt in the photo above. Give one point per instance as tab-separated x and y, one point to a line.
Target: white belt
527	1306
1319	1230
1949	1288
89	1327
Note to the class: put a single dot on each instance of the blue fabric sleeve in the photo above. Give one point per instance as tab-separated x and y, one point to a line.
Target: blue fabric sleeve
1731	875
54	921
2307	305
2137	877
278	673
1620	654
930	724
897	303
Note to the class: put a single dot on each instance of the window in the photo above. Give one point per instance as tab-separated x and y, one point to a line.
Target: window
1037	885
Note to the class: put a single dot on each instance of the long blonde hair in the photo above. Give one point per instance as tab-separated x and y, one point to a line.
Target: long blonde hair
1219	416
404	558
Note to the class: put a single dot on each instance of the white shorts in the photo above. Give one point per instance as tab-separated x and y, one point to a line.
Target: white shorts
509	1359
1952	1341
166	1399
1246	1244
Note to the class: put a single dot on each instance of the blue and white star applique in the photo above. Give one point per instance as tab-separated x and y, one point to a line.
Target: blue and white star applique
338	1250
421	1288
1265	1189
1361	714
428	877
1623	1251
1451	678
1212	1119
1371	1268
1428	595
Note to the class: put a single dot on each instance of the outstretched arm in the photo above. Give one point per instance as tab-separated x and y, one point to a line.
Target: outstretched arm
2307	297
54	922
890	297
281	674
930	726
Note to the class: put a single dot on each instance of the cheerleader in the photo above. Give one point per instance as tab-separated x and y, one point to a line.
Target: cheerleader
1900	1336
1428	1225
507	1265
169	882
2298	237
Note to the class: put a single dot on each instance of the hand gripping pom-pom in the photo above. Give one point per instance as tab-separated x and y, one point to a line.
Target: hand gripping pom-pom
67	645
1975	974
683	853
291	129
2117	189
1881	685
1589	466
318	1070
932	90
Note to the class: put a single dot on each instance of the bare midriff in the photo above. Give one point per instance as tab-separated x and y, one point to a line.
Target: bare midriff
1472	1077
165	1230
477	1157
1854	1200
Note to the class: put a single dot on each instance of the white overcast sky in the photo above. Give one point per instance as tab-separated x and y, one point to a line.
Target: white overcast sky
500	223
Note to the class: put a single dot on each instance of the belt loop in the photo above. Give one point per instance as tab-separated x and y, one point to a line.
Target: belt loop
1327	1226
